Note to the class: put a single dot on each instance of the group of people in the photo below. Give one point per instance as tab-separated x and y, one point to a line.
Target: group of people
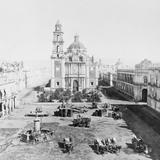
137	140
108	144
139	144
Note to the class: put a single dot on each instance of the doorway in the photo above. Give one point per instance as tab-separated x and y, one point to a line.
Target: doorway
144	95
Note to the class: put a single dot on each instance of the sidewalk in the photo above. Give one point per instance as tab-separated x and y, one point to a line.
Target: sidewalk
23	93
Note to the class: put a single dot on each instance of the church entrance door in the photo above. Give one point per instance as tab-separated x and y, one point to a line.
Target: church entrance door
75	86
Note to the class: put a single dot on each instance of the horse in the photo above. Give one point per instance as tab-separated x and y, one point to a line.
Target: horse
117	115
67	144
139	145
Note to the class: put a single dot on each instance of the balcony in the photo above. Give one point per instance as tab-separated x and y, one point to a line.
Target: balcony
153	85
75	75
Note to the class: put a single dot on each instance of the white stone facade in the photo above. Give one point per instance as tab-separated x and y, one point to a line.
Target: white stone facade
153	98
133	83
72	69
7	98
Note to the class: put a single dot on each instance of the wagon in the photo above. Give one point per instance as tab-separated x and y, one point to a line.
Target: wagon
99	112
64	112
138	145
117	115
82	122
67	144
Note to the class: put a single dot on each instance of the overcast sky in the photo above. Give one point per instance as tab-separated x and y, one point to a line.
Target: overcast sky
110	29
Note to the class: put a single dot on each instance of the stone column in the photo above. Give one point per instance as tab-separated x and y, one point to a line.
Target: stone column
14	101
72	84
87	75
6	104
111	79
11	104
63	72
3	111
96	70
52	73
83	83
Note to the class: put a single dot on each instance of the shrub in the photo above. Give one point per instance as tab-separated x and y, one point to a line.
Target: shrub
84	93
44	97
94	97
77	97
58	94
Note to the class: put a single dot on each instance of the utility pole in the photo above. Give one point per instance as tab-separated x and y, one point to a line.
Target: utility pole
25	78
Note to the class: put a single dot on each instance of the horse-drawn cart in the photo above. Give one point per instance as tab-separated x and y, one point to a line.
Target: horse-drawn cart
99	112
81	122
139	145
64	112
116	115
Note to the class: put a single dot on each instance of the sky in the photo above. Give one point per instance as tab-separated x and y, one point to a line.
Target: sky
109	29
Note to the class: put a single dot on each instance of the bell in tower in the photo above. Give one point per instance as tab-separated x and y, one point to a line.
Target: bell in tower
58	40
58	26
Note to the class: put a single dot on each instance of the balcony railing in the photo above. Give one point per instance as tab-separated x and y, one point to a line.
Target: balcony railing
154	85
74	75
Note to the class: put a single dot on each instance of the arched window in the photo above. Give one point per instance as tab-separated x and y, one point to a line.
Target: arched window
80	58
70	58
57	37
57	48
145	79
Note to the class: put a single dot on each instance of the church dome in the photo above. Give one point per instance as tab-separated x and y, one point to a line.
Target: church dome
76	45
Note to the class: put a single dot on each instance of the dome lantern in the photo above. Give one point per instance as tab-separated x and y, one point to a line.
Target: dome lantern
76	45
76	38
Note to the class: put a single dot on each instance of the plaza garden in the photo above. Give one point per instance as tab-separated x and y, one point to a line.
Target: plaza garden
64	95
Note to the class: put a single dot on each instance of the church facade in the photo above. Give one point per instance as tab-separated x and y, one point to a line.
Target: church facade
73	69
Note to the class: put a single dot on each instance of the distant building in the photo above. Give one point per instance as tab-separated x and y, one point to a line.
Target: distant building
108	73
11	81
153	99
72	69
132	83
107	78
7	96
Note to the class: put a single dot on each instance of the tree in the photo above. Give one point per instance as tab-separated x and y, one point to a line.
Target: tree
58	93
1	69
94	97
77	97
